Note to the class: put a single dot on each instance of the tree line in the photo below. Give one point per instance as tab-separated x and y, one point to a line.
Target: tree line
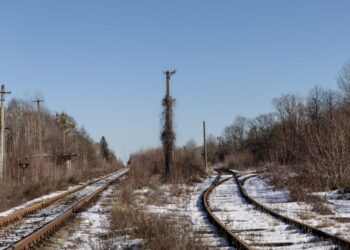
68	153
312	134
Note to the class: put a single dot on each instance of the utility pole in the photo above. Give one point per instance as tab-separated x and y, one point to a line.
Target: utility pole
38	101
168	74
23	166
76	142
168	135
219	150
2	131
205	153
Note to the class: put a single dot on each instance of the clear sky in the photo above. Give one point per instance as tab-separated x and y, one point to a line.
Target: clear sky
102	61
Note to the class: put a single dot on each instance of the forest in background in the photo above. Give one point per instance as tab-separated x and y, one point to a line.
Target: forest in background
305	140
68	154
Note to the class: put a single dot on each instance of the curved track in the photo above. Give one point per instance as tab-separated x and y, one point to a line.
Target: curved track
247	224
303	226
32	227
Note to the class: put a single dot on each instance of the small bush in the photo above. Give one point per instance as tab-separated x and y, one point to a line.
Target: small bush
239	160
147	168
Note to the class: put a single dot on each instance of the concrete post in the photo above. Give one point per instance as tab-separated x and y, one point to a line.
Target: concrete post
39	127
2	131
205	153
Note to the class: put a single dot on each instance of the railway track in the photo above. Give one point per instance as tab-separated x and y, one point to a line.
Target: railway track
24	211
31	228
247	224
286	217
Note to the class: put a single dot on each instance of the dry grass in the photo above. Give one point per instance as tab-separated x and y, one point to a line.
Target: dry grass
130	215
239	160
147	168
297	181
321	208
159	231
16	193
165	231
305	215
341	219
326	223
300	186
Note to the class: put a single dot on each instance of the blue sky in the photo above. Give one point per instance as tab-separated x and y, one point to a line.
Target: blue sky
102	61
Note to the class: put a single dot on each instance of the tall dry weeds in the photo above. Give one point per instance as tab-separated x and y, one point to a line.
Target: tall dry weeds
158	232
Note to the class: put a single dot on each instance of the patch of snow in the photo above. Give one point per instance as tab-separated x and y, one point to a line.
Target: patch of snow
189	205
44	198
338	223
254	226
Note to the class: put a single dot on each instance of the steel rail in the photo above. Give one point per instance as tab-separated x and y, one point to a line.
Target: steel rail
20	213
232	239
345	243
50	227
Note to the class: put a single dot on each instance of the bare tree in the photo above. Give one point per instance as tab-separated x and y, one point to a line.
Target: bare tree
261	137
22	144
330	103
344	80
67	125
235	133
314	105
290	111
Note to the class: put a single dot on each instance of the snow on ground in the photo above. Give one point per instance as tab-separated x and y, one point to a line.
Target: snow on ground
39	199
91	228
33	221
338	223
32	202
255	227
189	205
88	229
338	203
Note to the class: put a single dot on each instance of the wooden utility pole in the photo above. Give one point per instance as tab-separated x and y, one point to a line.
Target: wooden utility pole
2	131
23	166
168	135
205	153
39	126
76	142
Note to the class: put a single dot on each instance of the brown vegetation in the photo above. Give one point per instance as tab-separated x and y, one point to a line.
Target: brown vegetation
69	154
167	134
156	231
130	215
309	135
147	167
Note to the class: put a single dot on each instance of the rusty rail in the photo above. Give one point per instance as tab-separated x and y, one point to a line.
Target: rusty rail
232	239
20	213
53	225
302	226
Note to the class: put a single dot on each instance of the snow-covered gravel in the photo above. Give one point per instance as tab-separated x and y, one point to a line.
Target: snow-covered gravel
338	223
88	229
23	227
41	199
189	205
91	228
255	227
34	201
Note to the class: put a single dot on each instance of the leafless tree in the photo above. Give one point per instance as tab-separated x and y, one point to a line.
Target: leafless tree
22	144
290	110
344	80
